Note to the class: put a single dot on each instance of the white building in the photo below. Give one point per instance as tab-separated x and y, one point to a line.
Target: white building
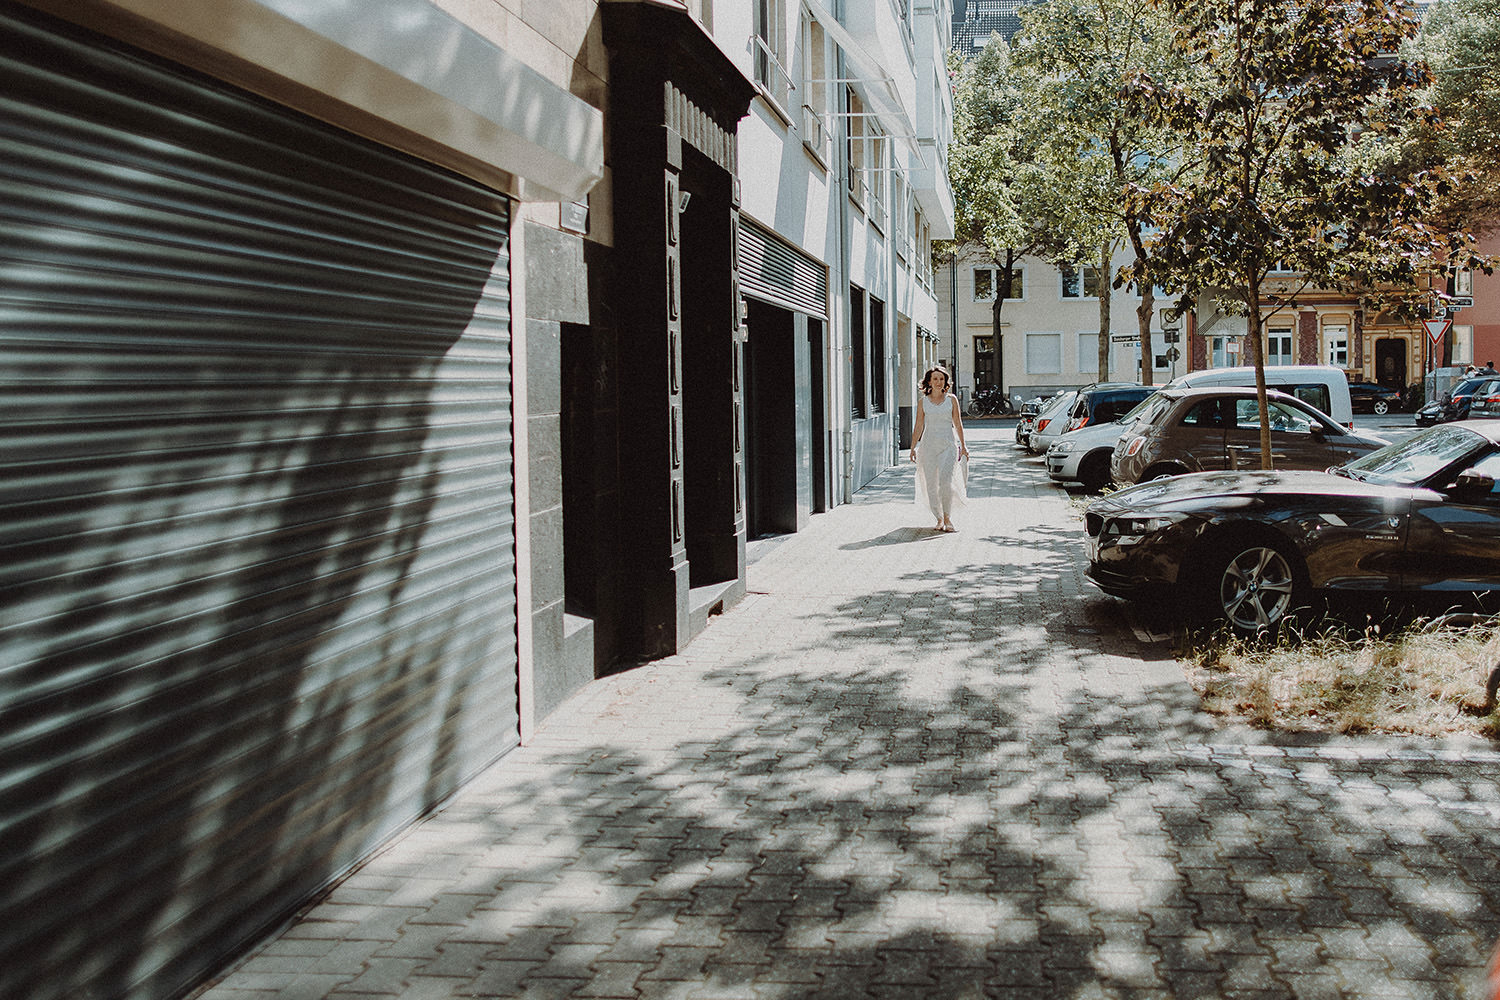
844	183
1049	332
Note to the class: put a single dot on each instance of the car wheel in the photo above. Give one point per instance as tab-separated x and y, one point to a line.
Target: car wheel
1093	472
1382	407
1255	587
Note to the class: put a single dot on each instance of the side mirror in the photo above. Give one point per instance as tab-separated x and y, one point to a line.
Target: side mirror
1471	482
1318	431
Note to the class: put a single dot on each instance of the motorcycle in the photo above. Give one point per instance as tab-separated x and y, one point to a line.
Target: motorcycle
988	401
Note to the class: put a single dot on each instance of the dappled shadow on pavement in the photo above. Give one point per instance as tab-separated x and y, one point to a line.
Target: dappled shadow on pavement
935	770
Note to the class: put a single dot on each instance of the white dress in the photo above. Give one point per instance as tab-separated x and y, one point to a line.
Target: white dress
942	478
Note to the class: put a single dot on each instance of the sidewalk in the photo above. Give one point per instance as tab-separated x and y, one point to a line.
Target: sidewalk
918	765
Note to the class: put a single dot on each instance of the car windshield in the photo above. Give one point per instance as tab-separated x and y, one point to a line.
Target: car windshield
1146	410
1416	459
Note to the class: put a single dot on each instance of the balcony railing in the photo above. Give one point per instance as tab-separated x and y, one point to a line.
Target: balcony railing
773	79
815	134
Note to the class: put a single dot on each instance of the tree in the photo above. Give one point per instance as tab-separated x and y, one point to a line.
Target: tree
1081	54
1460	41
1279	94
1006	202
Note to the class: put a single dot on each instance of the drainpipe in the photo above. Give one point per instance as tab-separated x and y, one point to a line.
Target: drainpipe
953	315
844	254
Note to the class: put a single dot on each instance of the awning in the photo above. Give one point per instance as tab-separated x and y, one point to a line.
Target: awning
876	86
401	72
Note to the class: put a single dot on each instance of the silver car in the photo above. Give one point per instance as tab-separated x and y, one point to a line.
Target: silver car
1081	457
1051	421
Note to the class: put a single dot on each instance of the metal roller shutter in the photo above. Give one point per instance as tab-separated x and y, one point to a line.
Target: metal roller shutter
773	270
257	575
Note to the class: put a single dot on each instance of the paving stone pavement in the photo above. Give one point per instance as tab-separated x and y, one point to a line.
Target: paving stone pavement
921	765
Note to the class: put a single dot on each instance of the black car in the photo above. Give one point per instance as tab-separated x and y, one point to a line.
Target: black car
1421	516
1372	397
1455	405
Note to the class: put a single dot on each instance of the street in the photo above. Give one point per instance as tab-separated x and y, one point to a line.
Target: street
922	765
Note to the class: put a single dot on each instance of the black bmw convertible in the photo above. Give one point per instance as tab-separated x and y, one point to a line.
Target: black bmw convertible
1420	517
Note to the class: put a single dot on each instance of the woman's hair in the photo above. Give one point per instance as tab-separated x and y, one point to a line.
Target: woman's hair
927	379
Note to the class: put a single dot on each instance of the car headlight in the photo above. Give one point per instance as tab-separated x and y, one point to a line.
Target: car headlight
1061	447
1134	527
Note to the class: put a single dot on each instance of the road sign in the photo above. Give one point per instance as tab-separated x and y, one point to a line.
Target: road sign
1460	301
1124	338
1437	329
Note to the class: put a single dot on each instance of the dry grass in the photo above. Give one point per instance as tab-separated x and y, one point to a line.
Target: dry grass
1427	681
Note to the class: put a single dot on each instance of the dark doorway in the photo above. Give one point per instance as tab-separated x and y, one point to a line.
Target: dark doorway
1390	362
707	431
818	410
771	378
984	362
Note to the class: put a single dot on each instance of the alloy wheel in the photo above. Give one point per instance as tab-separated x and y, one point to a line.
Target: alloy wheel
1257	589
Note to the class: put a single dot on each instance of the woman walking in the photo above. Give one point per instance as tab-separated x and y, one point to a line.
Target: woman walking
937	446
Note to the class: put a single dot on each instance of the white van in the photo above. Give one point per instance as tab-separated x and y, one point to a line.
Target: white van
1323	386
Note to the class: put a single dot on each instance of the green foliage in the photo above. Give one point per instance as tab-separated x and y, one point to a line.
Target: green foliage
1460	41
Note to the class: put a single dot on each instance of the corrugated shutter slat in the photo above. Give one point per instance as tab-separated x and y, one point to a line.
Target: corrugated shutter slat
257	570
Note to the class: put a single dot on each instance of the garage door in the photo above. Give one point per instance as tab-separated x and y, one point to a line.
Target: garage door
257	595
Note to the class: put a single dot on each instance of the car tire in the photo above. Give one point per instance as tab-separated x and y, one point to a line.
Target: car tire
1382	407
1093	471
1255	587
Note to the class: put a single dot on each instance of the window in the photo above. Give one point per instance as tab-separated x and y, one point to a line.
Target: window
1336	345
816	135
1080	284
985	286
1088	353
1223	351
856	147
769	42
877	355
1463	344
1282	418
857	351
1043	353
875	169
1314	394
1463	282
987	281
1279	347
1207	413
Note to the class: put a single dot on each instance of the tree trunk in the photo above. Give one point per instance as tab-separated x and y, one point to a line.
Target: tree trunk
1105	304
1143	324
1251	295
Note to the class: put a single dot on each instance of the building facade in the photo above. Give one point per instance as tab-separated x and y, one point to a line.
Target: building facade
1048	336
381	375
844	184
1049	333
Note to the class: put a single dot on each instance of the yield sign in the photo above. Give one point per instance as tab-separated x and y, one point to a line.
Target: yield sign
1437	329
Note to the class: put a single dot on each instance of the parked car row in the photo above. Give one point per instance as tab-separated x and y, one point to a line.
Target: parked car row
1477	397
1197	524
1203	420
